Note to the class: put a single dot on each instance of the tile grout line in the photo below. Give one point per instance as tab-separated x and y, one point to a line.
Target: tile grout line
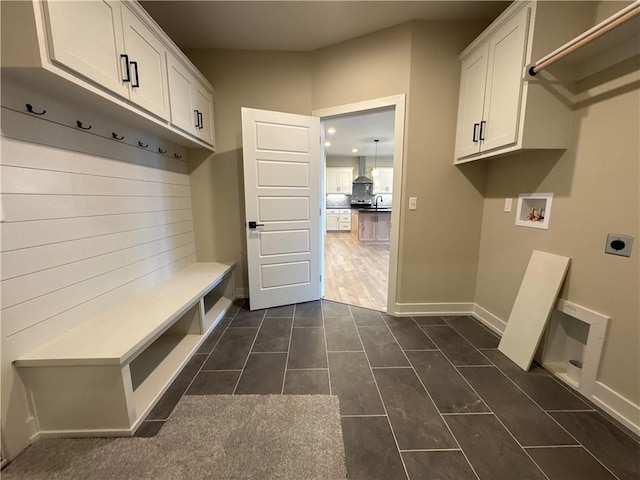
326	347
286	363
375	382
432	450
431	398
249	352
491	410
555	421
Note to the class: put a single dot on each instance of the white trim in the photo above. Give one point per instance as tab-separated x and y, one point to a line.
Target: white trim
431	309
241	292
489	319
619	407
398	103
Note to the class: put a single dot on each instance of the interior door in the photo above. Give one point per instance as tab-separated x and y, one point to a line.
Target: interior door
282	207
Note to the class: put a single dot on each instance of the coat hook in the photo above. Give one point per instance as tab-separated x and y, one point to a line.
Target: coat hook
143	145
160	150
177	155
116	137
79	124
30	110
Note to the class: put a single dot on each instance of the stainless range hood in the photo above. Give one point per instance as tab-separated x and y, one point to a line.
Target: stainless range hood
362	169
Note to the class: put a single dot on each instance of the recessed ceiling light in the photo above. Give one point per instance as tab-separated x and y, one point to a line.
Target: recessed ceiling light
331	130
327	144
354	150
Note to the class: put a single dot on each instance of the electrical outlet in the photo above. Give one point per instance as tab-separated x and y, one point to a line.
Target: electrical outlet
508	203
619	245
413	203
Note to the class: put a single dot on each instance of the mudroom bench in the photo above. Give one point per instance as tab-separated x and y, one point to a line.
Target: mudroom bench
104	377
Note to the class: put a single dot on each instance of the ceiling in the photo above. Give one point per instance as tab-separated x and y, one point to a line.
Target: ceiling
359	131
299	25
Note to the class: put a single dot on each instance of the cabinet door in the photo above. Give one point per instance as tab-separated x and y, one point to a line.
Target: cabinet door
332	221
383	227
148	86
345	180
471	102
383	183
87	38
204	106
331	181
507	50
180	96
367	227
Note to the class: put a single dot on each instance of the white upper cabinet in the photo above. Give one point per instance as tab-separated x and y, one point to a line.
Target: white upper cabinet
339	180
501	109
87	38
113	51
147	66
191	101
383	182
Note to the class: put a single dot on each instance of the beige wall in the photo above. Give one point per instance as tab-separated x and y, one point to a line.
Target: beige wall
438	241
264	80
596	191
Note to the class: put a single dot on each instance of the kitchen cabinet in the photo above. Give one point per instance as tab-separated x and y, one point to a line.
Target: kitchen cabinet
383	182
338	219
111	56
191	101
501	109
371	227
339	180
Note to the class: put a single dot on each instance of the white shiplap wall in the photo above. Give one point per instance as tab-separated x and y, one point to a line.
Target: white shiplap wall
87	222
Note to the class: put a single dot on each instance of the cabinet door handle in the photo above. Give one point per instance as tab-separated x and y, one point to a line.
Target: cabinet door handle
482	125
201	121
127	77
195	112
475	132
135	67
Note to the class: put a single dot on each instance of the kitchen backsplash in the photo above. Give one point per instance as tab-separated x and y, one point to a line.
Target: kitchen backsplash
339	200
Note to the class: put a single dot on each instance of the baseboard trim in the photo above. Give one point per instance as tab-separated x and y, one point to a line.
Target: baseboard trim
619	407
432	309
489	319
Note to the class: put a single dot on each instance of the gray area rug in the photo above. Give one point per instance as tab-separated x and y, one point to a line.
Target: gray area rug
207	437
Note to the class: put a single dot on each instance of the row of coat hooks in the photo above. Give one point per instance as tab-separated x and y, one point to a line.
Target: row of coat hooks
114	135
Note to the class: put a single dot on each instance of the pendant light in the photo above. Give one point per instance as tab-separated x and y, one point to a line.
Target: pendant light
375	172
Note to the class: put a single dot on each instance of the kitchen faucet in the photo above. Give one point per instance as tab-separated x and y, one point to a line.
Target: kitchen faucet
378	197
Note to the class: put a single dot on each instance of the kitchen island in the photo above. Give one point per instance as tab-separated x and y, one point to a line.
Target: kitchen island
371	226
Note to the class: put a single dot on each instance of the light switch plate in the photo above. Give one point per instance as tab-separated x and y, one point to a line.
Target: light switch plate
413	203
508	203
619	245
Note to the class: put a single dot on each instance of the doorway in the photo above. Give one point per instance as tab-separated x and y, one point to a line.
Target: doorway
361	231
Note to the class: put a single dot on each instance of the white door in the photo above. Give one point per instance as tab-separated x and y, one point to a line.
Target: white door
282	206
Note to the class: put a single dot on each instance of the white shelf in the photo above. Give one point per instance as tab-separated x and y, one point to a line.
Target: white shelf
158	365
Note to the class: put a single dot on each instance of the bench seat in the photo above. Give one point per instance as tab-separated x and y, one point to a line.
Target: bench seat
104	376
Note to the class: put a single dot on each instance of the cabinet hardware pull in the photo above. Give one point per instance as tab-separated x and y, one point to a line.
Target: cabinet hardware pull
201	121
160	150
30	110
142	145
135	67
116	137
482	125
177	155
79	124
253	225
475	132
197	118
127	78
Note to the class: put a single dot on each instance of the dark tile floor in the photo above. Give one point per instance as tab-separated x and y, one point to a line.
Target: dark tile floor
420	398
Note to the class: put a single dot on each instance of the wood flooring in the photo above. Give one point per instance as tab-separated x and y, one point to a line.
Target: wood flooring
355	274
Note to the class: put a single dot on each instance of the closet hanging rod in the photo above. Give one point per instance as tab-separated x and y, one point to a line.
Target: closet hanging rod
590	35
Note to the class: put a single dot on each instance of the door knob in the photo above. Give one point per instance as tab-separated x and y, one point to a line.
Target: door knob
254	224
